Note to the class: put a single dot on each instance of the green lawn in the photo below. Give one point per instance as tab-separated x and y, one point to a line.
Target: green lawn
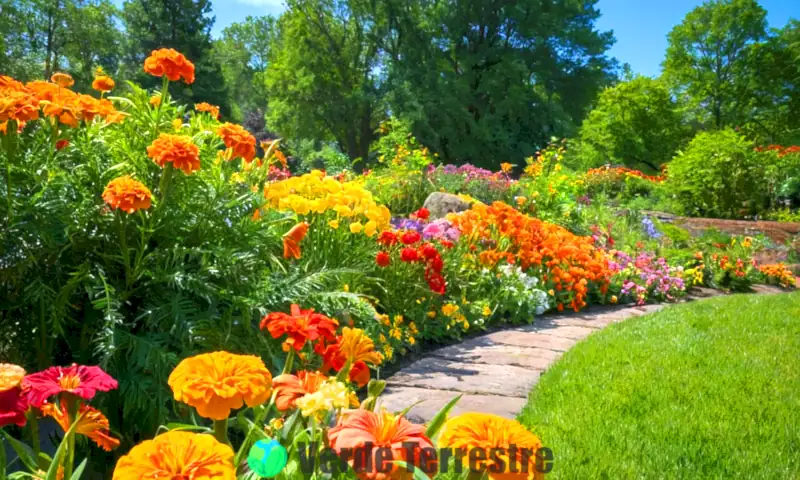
709	389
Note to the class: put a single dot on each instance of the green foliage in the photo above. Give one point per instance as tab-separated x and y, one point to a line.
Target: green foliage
671	384
712	60
720	175
322	81
636	123
184	25
243	51
480	82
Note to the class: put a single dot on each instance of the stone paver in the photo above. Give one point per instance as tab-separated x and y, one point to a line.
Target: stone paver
495	372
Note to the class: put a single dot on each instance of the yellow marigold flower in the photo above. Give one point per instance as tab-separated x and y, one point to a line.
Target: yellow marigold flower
177	455
155	100
216	383
10	376
506	167
398	319
396	333
614	299
521	201
412	327
346	287
486	311
431	314
370	228
412	340
747	242
449	309
355	345
471	431
388	351
356	227
334	224
382	338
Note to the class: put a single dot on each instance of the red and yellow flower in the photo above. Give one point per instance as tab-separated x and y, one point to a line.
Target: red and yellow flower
300	326
13	403
289	388
78	380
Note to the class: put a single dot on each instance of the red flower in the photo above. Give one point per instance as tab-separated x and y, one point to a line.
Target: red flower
12	407
437	264
62	144
76	379
410	237
387	238
383	259
300	326
429	251
421	214
409	254
447	244
437	283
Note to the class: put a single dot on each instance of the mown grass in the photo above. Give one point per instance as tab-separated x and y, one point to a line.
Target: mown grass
703	390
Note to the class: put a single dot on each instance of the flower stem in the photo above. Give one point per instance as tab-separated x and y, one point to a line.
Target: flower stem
9	144
164	99
72	413
221	431
165	182
287	367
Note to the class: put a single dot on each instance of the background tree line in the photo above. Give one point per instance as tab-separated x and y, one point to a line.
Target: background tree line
479	81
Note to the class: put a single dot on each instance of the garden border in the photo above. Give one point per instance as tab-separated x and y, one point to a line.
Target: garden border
495	372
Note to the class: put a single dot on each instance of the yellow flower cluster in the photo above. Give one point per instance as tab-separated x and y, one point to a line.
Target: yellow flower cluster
330	396
316	193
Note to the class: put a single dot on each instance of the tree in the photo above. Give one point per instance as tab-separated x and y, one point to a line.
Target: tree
243	52
711	60
93	40
635	123
323	81
184	25
488	81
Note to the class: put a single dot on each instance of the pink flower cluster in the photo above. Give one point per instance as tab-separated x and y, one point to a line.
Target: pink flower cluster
647	276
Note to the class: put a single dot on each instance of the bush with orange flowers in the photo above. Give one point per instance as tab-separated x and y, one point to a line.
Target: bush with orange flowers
778	274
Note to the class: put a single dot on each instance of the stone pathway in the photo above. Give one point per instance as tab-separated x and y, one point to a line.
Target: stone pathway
495	372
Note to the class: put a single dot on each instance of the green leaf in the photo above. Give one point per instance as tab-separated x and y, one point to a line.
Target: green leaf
52	472
408	408
2	461
186	426
418	473
438	420
23	450
76	475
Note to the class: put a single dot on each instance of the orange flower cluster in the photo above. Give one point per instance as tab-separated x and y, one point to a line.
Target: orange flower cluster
69	108
169	63
238	140
781	150
17	102
177	455
566	261
177	150
623	172
216	383
778	273
127	194
212	110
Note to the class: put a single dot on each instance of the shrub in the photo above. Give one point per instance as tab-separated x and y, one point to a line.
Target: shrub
720	175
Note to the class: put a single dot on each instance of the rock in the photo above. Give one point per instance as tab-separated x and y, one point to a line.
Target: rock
439	204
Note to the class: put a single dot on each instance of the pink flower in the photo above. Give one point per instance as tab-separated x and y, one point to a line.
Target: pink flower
76	379
12	407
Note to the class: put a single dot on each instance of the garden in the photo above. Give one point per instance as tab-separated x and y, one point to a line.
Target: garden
185	296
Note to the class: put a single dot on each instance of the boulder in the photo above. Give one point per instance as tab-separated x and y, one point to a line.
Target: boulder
439	204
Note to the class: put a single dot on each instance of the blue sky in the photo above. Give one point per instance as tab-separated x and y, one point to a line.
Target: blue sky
640	26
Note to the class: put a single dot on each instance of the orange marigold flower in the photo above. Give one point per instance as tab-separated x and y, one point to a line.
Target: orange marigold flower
364	430
288	388
167	62
10	376
103	83
177	150
177	455
63	80
292	239
216	383
78	380
91	422
239	140
212	110
486	432
17	102
127	194
155	100
300	326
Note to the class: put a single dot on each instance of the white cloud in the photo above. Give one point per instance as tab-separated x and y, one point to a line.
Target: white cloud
261	3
